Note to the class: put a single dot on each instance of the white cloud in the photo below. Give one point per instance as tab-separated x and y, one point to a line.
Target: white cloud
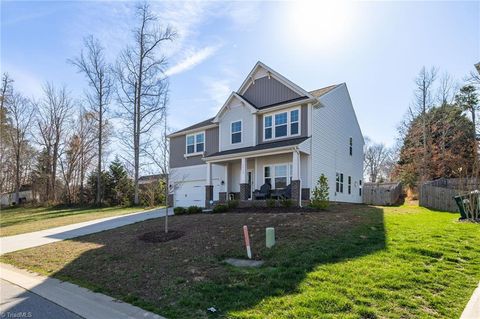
218	91
24	81
192	59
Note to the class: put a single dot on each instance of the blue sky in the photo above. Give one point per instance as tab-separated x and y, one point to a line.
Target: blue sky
377	48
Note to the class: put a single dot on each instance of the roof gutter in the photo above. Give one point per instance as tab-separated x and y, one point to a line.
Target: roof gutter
264	152
193	130
282	106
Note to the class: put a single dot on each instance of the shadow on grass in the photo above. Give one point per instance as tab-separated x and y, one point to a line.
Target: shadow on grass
182	278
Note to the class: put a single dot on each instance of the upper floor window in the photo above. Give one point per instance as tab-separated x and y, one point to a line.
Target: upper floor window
349	185
236	132
351	146
195	143
281	124
268	127
294	122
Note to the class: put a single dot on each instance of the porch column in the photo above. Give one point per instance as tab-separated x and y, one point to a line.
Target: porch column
223	196
296	185
208	186
243	179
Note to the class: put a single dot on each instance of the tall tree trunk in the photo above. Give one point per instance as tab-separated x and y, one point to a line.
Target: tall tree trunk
99	163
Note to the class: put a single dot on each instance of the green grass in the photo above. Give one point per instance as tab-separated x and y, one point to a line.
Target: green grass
21	220
349	262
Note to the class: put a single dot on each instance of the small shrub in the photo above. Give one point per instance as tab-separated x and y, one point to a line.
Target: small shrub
286	202
271	202
220	209
232	204
194	210
320	199
179	211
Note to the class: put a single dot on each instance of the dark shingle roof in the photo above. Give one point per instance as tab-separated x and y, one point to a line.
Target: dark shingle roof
322	91
263	146
197	125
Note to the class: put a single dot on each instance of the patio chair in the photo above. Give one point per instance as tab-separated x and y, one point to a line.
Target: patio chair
284	193
263	193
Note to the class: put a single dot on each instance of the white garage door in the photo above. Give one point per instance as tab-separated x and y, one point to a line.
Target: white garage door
192	193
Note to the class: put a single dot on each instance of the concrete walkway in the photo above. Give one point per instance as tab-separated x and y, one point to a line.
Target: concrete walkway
78	300
47	236
472	310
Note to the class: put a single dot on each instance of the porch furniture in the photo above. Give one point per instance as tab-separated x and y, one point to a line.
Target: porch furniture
263	193
283	193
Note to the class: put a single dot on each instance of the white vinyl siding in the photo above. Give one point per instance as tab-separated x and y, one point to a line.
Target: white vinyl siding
333	124
236	112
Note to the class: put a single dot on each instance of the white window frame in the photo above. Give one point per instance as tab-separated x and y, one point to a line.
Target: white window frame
272	177
339	182
289	122
195	153
241	132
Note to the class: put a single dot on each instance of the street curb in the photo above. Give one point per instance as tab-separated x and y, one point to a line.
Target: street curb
472	310
78	300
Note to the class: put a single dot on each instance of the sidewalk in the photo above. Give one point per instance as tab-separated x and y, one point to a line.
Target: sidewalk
472	310
80	301
47	236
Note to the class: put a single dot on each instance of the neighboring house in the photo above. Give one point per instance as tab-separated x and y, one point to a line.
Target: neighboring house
25	195
270	131
150	179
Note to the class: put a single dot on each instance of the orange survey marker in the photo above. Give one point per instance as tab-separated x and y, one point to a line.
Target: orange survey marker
247	241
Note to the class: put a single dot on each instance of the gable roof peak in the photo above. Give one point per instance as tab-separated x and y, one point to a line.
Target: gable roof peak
250	79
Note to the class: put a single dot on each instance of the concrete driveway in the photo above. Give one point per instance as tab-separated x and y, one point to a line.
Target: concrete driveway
47	236
18	302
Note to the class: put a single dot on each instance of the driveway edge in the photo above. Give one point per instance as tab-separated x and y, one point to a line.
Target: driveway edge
472	310
78	300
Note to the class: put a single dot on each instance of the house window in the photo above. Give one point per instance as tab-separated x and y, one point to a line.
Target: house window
195	143
236	132
281	124
268	127
294	122
349	185
351	146
190	144
278	176
267	176
339	183
281	176
360	188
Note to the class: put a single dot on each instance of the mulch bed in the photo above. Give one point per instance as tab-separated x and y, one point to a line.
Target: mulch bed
271	210
161	236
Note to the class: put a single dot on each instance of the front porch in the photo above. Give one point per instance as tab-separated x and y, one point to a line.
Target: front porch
242	175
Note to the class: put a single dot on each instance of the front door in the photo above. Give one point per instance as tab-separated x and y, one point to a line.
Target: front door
250	182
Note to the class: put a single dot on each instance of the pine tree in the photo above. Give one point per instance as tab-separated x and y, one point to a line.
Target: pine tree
320	199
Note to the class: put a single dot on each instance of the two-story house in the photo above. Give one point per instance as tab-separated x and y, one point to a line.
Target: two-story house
270	131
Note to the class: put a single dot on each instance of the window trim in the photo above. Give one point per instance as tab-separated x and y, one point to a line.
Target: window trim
351	146
289	122
272	177
241	132
195	153
338	183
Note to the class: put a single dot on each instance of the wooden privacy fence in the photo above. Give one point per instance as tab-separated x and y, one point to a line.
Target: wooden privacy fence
438	194
382	193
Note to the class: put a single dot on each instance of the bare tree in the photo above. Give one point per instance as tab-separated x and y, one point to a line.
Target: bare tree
377	161
5	147
423	102
93	65
142	84
52	114
20	112
446	90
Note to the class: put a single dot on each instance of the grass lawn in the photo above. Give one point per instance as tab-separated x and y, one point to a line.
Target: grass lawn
21	220
348	262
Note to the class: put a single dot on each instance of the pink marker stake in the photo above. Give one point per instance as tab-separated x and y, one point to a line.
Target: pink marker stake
247	241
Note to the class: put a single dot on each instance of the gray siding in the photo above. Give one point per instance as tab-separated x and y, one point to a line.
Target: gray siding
267	91
177	149
303	125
